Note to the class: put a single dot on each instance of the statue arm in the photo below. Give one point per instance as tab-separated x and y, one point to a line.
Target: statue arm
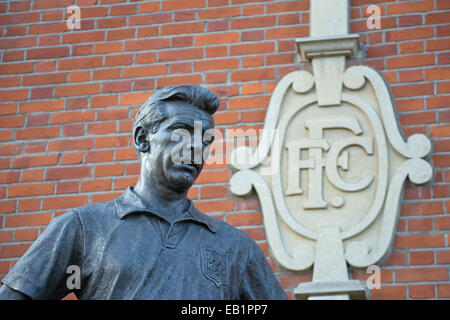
6	293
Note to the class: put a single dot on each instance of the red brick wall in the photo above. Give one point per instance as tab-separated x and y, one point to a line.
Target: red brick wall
68	97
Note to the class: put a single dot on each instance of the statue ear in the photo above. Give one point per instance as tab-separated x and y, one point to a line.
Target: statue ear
140	139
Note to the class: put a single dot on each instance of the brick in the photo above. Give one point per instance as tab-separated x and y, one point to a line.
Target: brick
438	44
37	133
245	219
248	102
71	158
216	64
8	206
443	290
117	86
409	20
146	71
80	63
255	61
422	208
443	256
208	192
214	206
79	76
13	95
41	93
109	170
287	32
21	220
443	223
123	183
77	90
417	118
410	7
147	44
425	291
35	161
438	102
67	187
406	34
442	73
48	53
126	154
253	35
64	202
26	234
216	38
155	18
68	173
181	28
112	142
419	241
411	75
181	5
29	205
441	160
216	13
421	257
32	175
412	90
10	149
181	67
72	117
249	49
83	37
184	41
120	34
213	176
253	22
108	47
96	185
6	236
191	79
96	198
104	101
13	43
421	274
149	7
133	98
410	61
7	177
255	233
14	250
437	18
253	74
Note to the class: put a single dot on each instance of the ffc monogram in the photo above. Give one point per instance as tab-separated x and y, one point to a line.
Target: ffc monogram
316	162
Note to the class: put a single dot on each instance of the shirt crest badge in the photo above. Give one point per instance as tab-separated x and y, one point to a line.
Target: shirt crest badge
214	266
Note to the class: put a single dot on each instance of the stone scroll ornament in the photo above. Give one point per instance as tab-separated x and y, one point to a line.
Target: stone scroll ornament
330	171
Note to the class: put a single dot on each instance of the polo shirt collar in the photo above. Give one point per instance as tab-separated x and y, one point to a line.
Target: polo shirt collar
129	202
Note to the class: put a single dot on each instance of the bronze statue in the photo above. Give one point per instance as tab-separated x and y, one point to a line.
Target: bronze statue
150	242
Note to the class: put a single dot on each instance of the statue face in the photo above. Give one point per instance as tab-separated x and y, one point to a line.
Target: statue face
175	137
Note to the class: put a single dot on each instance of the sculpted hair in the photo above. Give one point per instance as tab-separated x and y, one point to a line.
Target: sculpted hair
152	112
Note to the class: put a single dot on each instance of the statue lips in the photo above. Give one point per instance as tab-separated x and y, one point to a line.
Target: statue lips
189	167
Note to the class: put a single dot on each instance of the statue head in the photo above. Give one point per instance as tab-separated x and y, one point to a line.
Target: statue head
172	132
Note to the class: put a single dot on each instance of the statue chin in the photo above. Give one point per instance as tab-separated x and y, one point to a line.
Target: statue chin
182	180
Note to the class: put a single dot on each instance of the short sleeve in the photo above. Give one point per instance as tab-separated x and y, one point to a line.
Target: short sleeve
41	273
259	281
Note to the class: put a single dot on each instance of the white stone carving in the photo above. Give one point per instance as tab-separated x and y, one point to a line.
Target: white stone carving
331	172
341	166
